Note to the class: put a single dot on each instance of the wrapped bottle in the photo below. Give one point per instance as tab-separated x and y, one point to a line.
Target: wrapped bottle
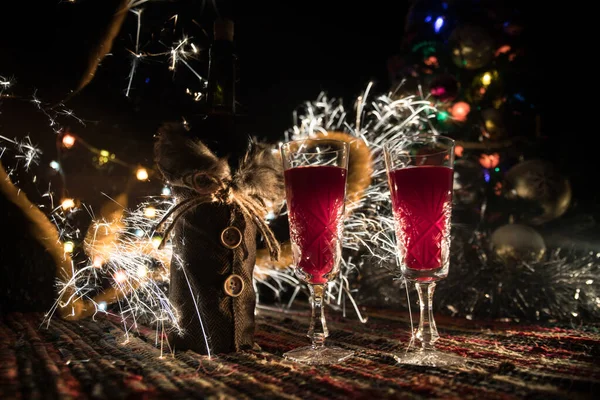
221	181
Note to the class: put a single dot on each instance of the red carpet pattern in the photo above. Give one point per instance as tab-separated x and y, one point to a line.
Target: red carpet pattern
92	360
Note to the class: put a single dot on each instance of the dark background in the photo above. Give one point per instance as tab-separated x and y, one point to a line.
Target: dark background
289	51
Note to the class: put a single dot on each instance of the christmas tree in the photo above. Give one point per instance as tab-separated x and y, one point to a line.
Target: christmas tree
476	62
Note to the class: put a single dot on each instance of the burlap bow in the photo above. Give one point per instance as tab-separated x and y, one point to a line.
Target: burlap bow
207	188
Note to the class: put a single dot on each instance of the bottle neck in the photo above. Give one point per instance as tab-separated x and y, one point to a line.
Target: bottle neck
221	78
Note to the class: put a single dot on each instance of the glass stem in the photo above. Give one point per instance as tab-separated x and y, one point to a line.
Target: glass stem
427	332
317	331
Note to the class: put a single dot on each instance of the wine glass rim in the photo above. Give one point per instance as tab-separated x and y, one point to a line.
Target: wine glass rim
389	146
346	145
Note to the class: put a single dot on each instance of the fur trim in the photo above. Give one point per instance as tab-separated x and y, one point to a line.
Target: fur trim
40	226
179	157
261	175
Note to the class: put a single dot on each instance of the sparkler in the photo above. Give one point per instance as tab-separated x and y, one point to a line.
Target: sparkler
123	264
120	262
369	227
569	289
383	118
25	151
136	55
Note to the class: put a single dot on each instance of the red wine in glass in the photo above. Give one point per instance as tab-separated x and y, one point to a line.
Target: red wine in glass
315	198
315	173
422	206
420	177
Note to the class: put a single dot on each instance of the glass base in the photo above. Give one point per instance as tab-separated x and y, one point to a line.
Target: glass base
430	358
425	275
319	355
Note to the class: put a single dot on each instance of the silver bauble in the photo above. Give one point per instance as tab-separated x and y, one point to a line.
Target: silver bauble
518	243
540	184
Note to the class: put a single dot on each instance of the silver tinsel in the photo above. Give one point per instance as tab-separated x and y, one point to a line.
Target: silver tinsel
562	285
369	230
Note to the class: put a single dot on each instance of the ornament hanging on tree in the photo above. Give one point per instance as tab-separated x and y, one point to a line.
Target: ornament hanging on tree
517	243
471	46
543	192
469	192
493	126
468	183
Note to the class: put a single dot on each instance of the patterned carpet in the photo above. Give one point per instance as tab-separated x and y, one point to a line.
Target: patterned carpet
87	359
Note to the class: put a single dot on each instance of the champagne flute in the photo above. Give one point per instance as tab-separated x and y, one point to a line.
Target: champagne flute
315	173
420	177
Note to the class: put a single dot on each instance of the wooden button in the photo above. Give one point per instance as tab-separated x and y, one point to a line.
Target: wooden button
231	237
234	285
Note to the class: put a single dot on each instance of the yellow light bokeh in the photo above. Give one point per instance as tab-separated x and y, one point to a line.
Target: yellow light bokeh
68	141
68	247
150	212
67	204
486	79
141	174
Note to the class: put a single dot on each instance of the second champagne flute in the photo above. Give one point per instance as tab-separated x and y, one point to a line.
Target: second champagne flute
420	176
315	181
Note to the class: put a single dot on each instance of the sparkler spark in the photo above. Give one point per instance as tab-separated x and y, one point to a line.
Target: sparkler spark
5	83
177	53
124	266
136	55
121	264
25	150
121	269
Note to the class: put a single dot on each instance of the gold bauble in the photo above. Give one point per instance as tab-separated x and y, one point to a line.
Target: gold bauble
471	47
494	127
468	184
515	243
539	183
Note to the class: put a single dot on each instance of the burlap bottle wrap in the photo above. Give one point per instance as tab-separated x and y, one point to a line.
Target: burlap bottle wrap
214	253
212	228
